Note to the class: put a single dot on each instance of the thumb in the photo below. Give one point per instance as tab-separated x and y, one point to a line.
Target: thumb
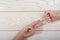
36	23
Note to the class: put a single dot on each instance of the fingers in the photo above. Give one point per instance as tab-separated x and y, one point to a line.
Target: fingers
36	23
30	31
48	16
33	25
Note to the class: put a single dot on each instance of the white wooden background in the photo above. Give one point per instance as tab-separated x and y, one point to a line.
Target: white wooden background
15	14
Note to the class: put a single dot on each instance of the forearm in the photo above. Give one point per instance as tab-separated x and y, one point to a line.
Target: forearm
58	16
19	36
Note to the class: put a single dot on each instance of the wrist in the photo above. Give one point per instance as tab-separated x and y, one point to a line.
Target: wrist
19	36
58	16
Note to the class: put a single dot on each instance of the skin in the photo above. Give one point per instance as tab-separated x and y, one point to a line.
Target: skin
49	17
29	30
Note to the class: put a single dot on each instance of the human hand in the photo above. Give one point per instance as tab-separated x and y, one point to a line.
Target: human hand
28	31
49	17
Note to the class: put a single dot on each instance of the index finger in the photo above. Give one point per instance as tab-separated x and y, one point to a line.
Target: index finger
33	24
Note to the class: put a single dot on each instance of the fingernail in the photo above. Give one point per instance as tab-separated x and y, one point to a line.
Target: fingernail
28	29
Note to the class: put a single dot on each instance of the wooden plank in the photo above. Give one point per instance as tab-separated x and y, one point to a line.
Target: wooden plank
46	35
31	5
19	5
18	20
39	35
14	20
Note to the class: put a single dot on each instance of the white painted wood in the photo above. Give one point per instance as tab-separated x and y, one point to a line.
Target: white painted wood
23	5
51	26
31	5
46	35
40	35
54	4
12	21
57	4
7	35
18	20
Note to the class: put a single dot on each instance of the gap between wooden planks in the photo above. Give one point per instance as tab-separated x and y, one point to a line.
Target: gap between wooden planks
36	30
26	11
16	10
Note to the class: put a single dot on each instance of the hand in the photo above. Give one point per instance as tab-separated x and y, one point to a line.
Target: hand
50	17
28	31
